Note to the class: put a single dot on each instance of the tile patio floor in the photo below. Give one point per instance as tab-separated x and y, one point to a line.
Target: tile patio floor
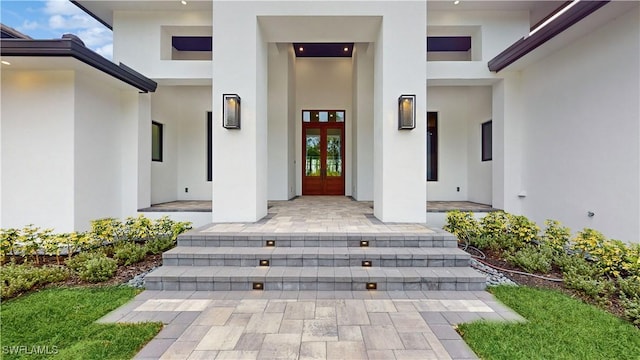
310	324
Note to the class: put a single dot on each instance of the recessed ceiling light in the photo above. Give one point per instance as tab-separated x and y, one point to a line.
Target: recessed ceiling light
346	49
5	62
456	2
300	48
183	2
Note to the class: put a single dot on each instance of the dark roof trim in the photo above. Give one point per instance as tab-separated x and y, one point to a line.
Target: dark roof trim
11	33
73	48
74	2
527	44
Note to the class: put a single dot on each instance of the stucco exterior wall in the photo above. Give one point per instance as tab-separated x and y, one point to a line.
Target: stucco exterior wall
581	132
37	149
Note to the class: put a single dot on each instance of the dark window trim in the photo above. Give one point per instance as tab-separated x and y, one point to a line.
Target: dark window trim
434	170
160	145
487	125
209	146
529	43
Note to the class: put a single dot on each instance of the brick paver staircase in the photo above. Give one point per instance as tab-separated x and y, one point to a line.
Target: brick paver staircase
315	261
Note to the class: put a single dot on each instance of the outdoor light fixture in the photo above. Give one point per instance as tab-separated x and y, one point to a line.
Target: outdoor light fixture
367	263
364	243
264	262
270	243
406	112
6	62
258	286
372	286
231	111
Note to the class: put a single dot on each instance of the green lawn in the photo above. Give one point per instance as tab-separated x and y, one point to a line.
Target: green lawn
60	323
558	327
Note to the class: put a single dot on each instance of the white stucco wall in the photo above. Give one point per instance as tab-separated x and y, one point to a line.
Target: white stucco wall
461	111
324	84
582	132
183	112
37	149
97	159
140	38
363	122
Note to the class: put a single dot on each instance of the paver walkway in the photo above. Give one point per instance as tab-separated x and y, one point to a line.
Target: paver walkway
310	324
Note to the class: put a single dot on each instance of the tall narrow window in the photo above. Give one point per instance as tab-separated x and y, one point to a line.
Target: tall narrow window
432	146
156	141
487	153
209	147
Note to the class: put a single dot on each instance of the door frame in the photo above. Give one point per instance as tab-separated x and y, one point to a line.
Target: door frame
323	126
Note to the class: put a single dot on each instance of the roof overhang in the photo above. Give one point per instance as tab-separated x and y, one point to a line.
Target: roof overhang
74	49
527	44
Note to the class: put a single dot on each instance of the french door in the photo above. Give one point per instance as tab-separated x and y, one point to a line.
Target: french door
323	153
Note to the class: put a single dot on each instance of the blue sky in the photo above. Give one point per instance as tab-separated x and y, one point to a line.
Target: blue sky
49	19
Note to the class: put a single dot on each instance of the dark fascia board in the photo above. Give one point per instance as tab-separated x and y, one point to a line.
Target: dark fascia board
527	44
75	49
11	33
74	2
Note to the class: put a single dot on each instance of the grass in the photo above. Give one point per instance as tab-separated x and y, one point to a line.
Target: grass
61	321
558	327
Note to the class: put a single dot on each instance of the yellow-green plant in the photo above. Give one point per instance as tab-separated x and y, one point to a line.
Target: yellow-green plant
30	240
495	223
107	230
8	239
525	230
51	245
463	225
139	228
556	236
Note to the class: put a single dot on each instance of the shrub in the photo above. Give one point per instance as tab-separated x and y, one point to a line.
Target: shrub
8	239
555	236
533	258
138	228
631	307
524	230
19	278
463	225
160	245
97	268
129	253
107	230
495	223
629	286
77	262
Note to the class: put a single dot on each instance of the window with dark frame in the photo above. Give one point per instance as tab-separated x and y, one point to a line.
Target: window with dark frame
432	146
487	152
156	141
209	147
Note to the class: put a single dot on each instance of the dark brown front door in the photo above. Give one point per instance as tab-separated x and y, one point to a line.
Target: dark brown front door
323	153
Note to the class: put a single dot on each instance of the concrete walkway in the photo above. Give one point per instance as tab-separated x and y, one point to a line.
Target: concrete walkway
310	324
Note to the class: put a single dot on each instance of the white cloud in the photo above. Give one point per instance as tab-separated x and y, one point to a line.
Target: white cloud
29	25
106	51
68	18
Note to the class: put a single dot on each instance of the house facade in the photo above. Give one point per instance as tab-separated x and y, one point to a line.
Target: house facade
540	121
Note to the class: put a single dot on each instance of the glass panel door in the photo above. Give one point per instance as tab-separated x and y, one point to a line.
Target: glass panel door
334	152
312	153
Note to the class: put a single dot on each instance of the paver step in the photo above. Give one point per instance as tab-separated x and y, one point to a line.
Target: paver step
225	278
413	240
315	256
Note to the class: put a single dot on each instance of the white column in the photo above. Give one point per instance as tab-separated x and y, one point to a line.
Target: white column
507	144
239	156
400	155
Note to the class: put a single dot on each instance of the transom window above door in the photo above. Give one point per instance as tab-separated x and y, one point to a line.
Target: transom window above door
310	116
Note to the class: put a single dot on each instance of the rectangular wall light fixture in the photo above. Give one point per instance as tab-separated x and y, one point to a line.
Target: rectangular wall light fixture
231	111
406	112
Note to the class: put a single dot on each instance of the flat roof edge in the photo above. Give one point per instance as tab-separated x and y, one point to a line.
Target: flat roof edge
529	43
73	48
93	15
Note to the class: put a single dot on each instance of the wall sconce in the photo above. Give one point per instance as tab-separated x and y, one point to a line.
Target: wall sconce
364	243
264	262
367	263
406	112
230	111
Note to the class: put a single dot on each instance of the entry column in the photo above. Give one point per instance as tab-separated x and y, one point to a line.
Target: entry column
239	155
400	155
